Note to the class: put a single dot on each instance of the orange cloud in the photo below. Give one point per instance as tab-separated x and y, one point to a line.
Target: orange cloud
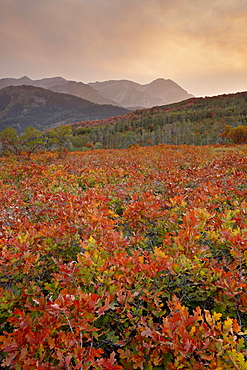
90	40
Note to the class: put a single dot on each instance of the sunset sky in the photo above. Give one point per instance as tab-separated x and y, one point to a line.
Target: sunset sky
200	44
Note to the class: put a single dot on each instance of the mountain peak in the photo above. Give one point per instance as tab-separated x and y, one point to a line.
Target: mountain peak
24	79
133	95
125	93
160	79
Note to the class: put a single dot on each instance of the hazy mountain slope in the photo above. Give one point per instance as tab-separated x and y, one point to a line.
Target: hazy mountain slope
124	93
135	99
81	90
46	83
114	88
59	84
131	94
22	106
167	90
5	82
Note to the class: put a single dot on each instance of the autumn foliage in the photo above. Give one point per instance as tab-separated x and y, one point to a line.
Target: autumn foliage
238	135
124	259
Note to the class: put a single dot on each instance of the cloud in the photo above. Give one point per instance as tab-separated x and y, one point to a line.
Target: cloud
136	39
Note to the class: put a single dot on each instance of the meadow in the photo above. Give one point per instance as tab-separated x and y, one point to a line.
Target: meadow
124	259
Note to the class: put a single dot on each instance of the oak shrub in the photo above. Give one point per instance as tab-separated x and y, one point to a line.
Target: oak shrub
132	259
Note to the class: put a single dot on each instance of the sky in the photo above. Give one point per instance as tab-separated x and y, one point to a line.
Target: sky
199	44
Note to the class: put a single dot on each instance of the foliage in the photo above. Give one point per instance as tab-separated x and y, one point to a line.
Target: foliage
59	137
10	141
32	140
196	121
238	134
124	259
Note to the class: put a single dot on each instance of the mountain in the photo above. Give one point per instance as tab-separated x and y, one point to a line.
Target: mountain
25	105
59	84
130	94
166	90
46	83
83	91
125	93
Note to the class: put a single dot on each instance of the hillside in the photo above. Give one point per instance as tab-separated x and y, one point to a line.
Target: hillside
127	94
22	106
196	121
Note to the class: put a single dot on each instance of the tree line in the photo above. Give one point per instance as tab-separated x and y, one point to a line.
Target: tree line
32	140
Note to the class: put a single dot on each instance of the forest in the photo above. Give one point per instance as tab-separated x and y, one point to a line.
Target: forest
124	259
197	121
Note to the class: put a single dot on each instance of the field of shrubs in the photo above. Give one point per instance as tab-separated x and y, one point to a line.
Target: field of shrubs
124	259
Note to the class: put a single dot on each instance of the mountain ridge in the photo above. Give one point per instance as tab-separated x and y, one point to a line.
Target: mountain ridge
124	93
144	96
25	105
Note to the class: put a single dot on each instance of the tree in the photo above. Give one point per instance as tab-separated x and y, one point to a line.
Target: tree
32	139
237	134
60	137
98	145
10	141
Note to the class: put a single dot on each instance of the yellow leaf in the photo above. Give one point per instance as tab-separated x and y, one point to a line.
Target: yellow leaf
192	330
217	316
141	259
228	323
158	252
